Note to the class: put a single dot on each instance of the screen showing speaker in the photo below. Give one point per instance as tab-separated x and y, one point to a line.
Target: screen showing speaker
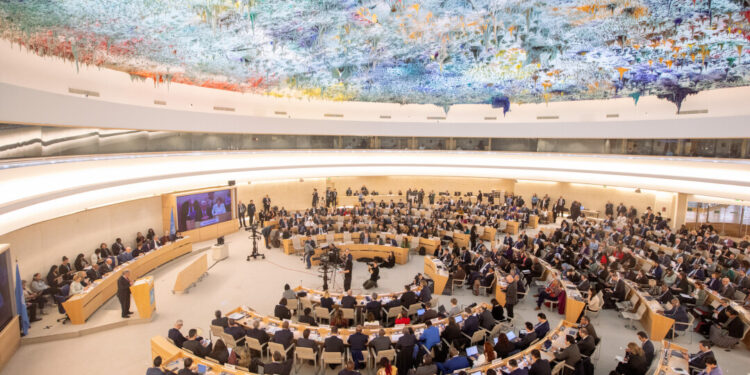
202	209
6	290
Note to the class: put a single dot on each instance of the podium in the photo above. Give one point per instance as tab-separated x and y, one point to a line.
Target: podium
143	295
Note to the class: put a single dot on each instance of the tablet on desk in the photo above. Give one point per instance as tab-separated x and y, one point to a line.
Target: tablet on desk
471	351
510	335
202	368
459	318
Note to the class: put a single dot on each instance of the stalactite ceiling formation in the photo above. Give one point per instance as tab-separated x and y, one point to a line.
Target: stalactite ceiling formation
442	52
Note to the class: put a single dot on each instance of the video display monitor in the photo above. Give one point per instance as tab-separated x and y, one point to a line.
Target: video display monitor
202	209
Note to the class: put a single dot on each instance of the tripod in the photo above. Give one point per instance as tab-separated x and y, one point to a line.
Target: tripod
255	237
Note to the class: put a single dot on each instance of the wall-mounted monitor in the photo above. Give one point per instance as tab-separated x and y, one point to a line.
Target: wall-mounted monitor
199	210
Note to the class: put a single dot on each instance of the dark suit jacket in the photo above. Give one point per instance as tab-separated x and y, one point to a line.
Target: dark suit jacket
123	288
358	341
570	355
735	327
540	367
235	331
348	302
648	350
699	359
221	322
587	346
258	334
279	368
196	347
284	337
380	343
282	312
333	344
428	315
619	292
307	319
471	325
409	298
176	336
526	340
307	343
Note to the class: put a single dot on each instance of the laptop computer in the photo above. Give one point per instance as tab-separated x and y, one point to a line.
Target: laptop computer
510	335
202	368
420	312
471	351
459	318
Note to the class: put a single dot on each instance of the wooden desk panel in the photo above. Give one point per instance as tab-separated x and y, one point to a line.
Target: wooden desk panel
370	251
439	276
81	306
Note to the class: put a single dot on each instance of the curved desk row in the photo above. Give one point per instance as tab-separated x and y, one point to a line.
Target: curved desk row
370	251
430	244
315	295
160	346
81	306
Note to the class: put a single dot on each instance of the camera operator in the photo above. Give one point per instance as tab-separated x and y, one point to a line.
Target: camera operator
374	272
309	252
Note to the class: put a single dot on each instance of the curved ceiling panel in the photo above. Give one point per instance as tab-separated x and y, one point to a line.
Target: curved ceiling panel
441	52
40	192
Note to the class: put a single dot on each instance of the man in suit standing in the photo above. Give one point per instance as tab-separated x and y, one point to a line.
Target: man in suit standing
123	293
266	203
647	346
241	210
539	366
315	198
347	270
511	295
251	211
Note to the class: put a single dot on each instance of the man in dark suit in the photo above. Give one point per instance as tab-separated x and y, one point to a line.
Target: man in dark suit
257	333
665	295
539	366
233	329
584	285
189	368
570	353
175	335
381	342
350	369
430	313
308	319
281	311
93	272
586	323
698	360
123	293
679	314
471	324
284	336
586	344
526	338
358	344
408	298
374	306
194	344
425	294
241	209
542	326
454	363
647	346
333	344
279	366
348	301
220	321
251	211
306	342
511	295
515	370
486	320
117	247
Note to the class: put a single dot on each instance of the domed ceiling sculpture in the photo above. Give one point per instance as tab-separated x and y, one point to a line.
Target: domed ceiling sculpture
442	52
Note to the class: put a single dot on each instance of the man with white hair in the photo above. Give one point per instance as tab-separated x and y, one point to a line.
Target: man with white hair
123	293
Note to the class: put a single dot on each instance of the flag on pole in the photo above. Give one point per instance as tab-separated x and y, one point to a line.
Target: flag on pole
21	304
172	229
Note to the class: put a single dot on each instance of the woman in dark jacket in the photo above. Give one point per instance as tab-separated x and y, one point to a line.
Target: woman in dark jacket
498	312
220	352
504	347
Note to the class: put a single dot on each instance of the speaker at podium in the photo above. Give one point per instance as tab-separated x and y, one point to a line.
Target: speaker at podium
143	295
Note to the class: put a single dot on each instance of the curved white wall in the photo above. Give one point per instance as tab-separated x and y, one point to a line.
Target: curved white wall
35	90
37	193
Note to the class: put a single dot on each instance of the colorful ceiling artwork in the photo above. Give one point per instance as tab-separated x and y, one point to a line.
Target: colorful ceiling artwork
442	52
